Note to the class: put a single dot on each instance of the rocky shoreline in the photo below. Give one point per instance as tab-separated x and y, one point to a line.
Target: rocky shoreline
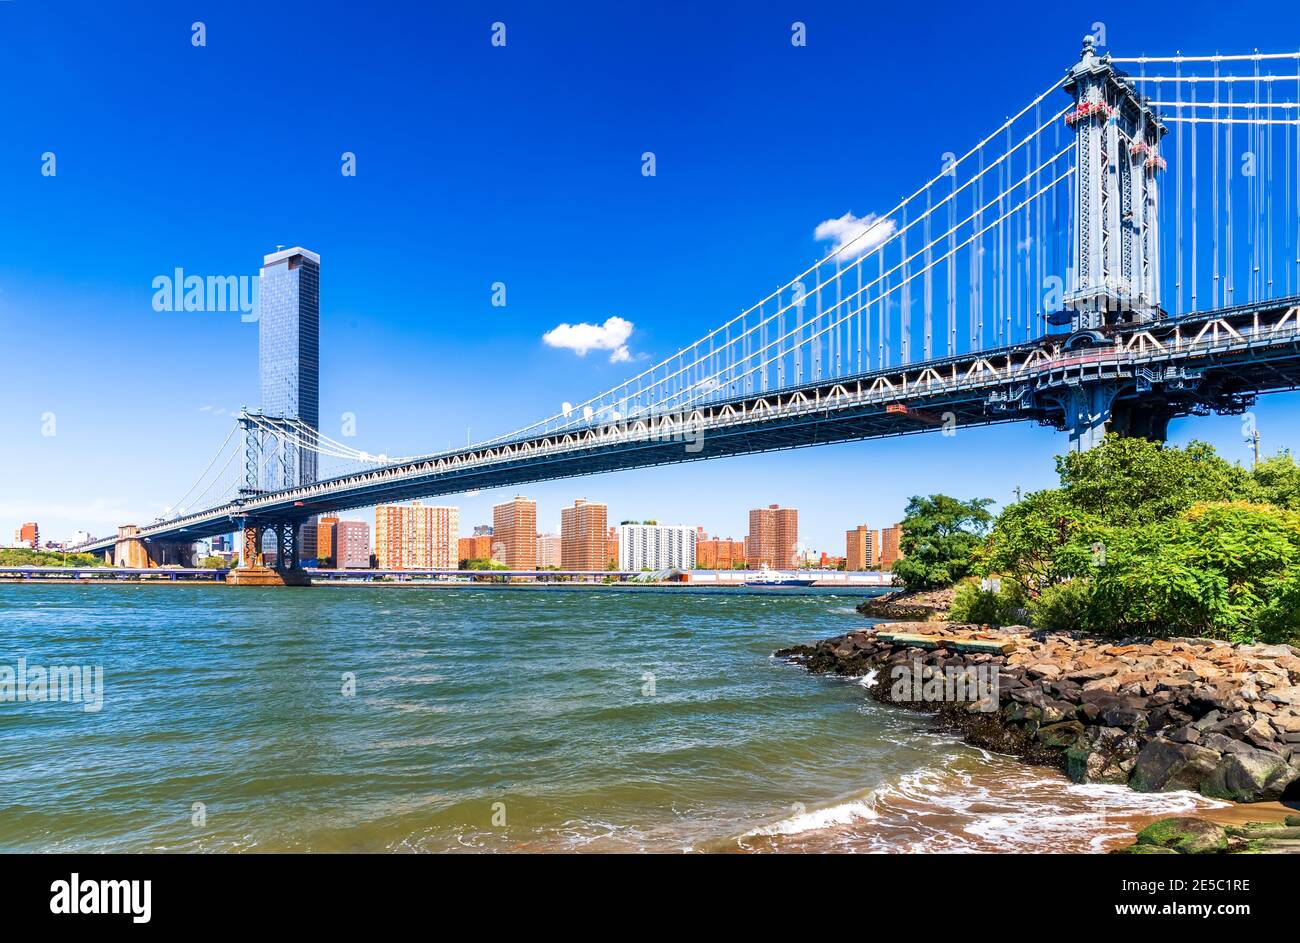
1157	715
920	605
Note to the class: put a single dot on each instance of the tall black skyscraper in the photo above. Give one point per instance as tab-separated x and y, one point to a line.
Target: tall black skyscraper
289	361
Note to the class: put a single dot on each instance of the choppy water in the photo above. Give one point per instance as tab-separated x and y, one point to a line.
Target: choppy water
494	720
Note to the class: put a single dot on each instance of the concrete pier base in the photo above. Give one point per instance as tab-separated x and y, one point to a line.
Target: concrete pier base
266	576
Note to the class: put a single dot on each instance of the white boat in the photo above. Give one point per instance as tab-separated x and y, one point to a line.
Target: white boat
769	577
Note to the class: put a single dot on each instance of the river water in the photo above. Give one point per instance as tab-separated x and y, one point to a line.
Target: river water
374	718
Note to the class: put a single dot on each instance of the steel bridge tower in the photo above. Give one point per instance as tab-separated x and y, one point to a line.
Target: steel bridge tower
1115	243
1115	246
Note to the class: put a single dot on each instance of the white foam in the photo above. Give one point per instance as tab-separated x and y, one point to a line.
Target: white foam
813	820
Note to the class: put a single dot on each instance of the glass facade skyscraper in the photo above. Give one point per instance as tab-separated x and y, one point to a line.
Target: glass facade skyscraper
289	362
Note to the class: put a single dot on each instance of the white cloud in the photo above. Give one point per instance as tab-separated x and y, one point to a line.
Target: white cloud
580	338
846	230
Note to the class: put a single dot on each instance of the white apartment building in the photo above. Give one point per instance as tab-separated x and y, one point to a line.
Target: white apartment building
655	547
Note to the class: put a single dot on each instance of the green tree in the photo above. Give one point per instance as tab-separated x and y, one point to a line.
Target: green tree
214	563
1126	481
24	556
1144	539
1224	570
1040	540
940	535
1276	480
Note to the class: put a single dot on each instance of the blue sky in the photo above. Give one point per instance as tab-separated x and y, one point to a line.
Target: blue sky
476	165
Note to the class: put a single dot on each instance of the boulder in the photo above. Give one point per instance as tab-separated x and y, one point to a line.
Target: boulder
1185	835
1063	734
1091	674
1107	685
1249	776
1234	725
1121	715
1260	733
1209	720
1267	651
1056	711
1286	723
1101	755
1217	741
1165	766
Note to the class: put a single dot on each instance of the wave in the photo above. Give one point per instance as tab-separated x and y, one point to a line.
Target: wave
977	804
843	813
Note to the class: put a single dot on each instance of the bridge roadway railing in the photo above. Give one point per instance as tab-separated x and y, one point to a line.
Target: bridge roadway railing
1228	331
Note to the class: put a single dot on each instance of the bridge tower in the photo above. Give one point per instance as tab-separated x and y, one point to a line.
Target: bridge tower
267	440
1115	247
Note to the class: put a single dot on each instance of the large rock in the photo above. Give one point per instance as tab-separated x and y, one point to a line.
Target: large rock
1063	734
1165	766
1187	836
1102	755
1249	776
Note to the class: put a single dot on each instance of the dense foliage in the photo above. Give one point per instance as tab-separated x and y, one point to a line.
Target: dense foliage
940	535
21	556
1003	606
1144	539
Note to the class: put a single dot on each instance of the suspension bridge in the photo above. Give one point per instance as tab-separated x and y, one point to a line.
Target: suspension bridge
1122	251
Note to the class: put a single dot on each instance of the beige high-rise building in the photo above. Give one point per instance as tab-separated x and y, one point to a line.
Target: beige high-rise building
773	537
890	550
860	548
548	551
583	532
514	533
416	537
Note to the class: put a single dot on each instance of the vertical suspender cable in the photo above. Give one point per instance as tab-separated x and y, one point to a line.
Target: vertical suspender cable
1229	158
1214	215
952	265
1178	183
905	312
927	284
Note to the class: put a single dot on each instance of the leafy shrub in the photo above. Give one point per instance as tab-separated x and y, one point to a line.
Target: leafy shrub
1062	607
985	607
1223	570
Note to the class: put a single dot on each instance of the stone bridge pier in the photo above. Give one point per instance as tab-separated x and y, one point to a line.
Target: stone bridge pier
136	552
253	569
